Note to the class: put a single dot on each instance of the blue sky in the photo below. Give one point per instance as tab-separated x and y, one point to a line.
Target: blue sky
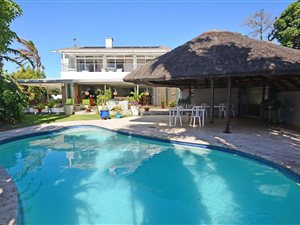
52	24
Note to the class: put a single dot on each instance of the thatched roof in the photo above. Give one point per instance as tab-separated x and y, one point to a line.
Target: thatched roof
218	54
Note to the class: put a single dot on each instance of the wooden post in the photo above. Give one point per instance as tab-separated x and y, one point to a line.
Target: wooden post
212	99
228	105
262	101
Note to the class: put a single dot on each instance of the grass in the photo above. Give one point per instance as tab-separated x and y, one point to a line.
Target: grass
31	119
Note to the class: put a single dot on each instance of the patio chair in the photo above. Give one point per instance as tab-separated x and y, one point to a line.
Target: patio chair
205	106
175	113
197	114
222	110
232	110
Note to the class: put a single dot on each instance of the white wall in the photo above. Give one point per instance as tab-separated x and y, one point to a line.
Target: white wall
291	104
99	76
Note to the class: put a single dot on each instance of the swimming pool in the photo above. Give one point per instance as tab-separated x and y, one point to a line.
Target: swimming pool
88	175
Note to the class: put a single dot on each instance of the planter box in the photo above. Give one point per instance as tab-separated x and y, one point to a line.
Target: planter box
134	110
57	110
69	109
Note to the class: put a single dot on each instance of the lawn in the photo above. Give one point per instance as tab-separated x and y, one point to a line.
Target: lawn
31	119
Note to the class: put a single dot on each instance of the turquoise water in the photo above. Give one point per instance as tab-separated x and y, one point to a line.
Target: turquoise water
91	176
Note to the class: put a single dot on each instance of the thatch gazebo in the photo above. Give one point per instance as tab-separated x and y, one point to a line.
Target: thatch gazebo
223	59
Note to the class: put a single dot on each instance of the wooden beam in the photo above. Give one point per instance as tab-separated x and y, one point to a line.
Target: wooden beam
228	106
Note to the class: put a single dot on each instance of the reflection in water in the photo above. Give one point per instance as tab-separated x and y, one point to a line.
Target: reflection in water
87	176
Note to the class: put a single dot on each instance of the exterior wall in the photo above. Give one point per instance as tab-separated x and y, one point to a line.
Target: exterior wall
203	96
99	76
291	107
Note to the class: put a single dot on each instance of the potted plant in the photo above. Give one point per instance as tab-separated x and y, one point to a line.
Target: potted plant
118	111
102	98
69	108
51	104
147	108
163	104
134	101
172	104
40	106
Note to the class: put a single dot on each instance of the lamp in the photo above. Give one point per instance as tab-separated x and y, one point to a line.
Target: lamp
115	92
146	93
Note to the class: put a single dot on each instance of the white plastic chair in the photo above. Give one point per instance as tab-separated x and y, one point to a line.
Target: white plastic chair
232	110
222	110
205	106
175	113
197	114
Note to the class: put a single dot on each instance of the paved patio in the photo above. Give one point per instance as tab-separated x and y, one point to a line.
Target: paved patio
278	145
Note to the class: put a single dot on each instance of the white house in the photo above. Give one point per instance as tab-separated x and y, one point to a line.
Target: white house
87	69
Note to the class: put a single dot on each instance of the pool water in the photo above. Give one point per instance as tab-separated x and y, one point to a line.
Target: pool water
92	176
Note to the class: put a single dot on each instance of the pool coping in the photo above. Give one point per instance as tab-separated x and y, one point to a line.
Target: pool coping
282	168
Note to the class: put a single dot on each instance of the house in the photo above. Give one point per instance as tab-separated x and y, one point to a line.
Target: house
84	70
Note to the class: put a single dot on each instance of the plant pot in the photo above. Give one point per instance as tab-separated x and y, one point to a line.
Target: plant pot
69	109
118	115
146	109
40	110
104	114
134	110
50	110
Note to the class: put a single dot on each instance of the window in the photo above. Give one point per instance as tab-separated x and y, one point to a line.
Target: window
98	65
89	65
80	65
128	65
142	60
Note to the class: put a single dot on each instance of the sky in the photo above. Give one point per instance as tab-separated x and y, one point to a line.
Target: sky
52	24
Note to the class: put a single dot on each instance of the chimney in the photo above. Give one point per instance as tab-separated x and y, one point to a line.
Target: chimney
108	42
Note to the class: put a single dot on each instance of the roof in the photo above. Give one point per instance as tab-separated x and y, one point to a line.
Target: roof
103	48
218	54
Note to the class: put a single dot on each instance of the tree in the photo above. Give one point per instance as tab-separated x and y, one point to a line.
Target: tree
29	54
13	101
28	73
9	10
287	27
35	94
260	23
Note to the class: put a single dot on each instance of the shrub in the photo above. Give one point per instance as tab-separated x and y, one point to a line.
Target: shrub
172	104
13	101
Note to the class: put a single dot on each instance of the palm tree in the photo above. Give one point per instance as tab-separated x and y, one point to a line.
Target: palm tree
29	54
8	58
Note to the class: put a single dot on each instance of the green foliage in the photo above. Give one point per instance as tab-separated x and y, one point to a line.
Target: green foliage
35	94
40	105
53	91
13	101
287	26
28	73
69	101
51	103
103	96
135	97
117	109
9	10
172	104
